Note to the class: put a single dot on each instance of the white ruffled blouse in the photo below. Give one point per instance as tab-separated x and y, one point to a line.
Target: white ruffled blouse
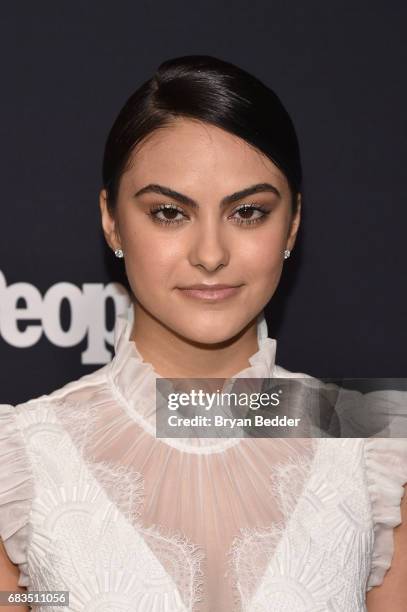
92	502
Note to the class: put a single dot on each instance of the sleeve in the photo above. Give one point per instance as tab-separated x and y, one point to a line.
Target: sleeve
16	490
386	471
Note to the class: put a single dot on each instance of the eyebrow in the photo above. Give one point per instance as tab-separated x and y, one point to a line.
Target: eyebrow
234	197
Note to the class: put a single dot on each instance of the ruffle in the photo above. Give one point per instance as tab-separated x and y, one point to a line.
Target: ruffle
133	380
16	490
386	471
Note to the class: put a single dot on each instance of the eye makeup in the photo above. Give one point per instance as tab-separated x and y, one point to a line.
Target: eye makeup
173	208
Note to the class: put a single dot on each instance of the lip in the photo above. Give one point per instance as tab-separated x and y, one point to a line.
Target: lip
210	292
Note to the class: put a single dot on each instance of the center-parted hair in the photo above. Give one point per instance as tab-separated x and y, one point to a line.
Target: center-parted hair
211	90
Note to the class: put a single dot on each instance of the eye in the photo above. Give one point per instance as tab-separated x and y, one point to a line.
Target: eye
167	209
249	209
173	211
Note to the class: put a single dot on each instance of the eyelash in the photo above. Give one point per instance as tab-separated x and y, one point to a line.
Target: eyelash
156	209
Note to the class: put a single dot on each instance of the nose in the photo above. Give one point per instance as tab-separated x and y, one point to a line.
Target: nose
209	247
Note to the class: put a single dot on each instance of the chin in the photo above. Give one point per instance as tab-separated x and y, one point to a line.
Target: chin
211	333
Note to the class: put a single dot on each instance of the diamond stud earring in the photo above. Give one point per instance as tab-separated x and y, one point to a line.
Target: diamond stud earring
119	253
287	254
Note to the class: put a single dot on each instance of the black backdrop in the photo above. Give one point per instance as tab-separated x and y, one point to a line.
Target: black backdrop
67	68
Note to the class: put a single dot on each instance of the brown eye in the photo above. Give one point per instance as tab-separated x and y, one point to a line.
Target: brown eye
170	213
247	211
168	210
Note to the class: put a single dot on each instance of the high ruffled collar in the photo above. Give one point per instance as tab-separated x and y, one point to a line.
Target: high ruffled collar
134	380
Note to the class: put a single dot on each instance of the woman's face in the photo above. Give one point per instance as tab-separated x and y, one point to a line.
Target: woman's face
205	235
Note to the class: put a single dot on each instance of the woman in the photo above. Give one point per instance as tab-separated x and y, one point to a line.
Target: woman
201	186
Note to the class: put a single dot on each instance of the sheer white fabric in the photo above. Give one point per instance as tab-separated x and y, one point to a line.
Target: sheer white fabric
93	503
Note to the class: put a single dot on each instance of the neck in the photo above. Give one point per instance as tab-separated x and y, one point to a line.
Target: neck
173	356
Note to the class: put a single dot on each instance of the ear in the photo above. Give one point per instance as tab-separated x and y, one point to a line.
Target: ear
295	224
109	224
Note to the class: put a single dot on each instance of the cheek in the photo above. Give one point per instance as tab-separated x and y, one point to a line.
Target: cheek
150	262
261	258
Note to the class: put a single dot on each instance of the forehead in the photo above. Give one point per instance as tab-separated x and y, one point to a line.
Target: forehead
190	153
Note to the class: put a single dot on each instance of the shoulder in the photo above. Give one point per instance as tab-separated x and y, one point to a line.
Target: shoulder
19	424
79	390
31	429
16	489
27	431
386	478
386	473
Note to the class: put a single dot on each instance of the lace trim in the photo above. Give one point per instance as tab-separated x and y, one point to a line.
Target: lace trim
254	547
251	549
183	556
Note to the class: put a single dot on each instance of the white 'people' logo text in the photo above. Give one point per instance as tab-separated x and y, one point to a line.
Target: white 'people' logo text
88	315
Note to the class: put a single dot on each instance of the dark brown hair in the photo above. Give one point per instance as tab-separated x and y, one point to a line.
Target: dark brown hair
213	91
